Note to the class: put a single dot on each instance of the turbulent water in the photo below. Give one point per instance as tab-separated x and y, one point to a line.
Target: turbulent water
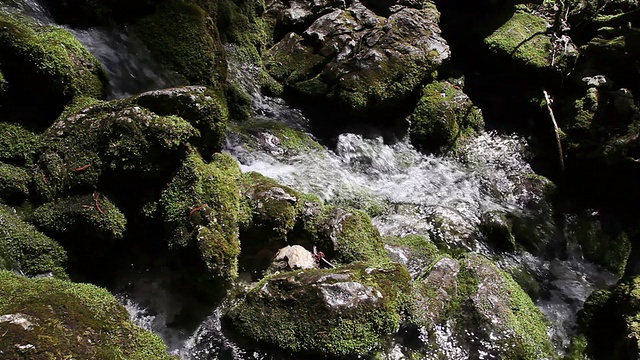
407	189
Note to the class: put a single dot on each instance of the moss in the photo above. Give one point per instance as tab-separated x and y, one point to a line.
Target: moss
290	62
48	61
3	86
17	144
443	117
14	183
201	208
204	109
287	140
69	321
114	140
524	39
25	249
578	349
292	312
91	216
274	206
418	255
183	37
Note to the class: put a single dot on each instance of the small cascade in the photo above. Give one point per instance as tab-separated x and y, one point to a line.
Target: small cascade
127	61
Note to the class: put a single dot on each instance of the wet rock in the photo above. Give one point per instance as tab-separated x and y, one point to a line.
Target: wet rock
452	229
494	313
414	252
23	248
496	227
47	61
357	57
51	318
444	116
610	321
293	257
201	210
341	312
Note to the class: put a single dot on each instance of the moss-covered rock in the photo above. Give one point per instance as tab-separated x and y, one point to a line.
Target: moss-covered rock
90	216
201	209
184	38
56	319
341	312
414	252
524	39
24	249
611	321
47	61
483	306
318	58
444	116
109	141
17	144
14	183
496	226
274	137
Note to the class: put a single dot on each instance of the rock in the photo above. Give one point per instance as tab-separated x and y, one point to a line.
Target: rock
201	210
444	116
338	313
47	61
51	318
414	252
452	229
356	57
524	39
17	144
496	227
485	309
292	257
595	81
275	138
14	184
25	249
610	321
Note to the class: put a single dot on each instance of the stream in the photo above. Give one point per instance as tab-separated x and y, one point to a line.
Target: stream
409	190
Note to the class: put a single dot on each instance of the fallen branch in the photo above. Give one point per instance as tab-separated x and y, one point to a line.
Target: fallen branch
556	131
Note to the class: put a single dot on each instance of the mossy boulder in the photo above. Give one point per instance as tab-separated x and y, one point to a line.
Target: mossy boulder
274	137
444	116
338	313
526	42
184	38
17	144
57	319
414	252
398	50
604	244
25	249
47	61
109	141
484	308
610	321
496	227
14	183
201	209
83	217
205	109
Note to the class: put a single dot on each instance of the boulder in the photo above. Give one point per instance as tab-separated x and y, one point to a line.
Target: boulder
47	61
56	319
14	183
17	144
354	56
292	257
444	116
414	252
338	313
26	250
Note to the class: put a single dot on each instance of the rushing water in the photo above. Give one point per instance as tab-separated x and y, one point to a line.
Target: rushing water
408	190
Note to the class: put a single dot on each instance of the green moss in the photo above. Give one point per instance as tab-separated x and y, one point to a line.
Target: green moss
290	310
14	183
289	140
201	208
274	206
115	140
3	85
353	237
91	216
290	62
524	39
24	248
577	349
48	61
204	109
443	117
69	321
418	246
183	37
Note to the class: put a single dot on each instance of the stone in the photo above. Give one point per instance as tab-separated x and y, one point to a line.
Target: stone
292	257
